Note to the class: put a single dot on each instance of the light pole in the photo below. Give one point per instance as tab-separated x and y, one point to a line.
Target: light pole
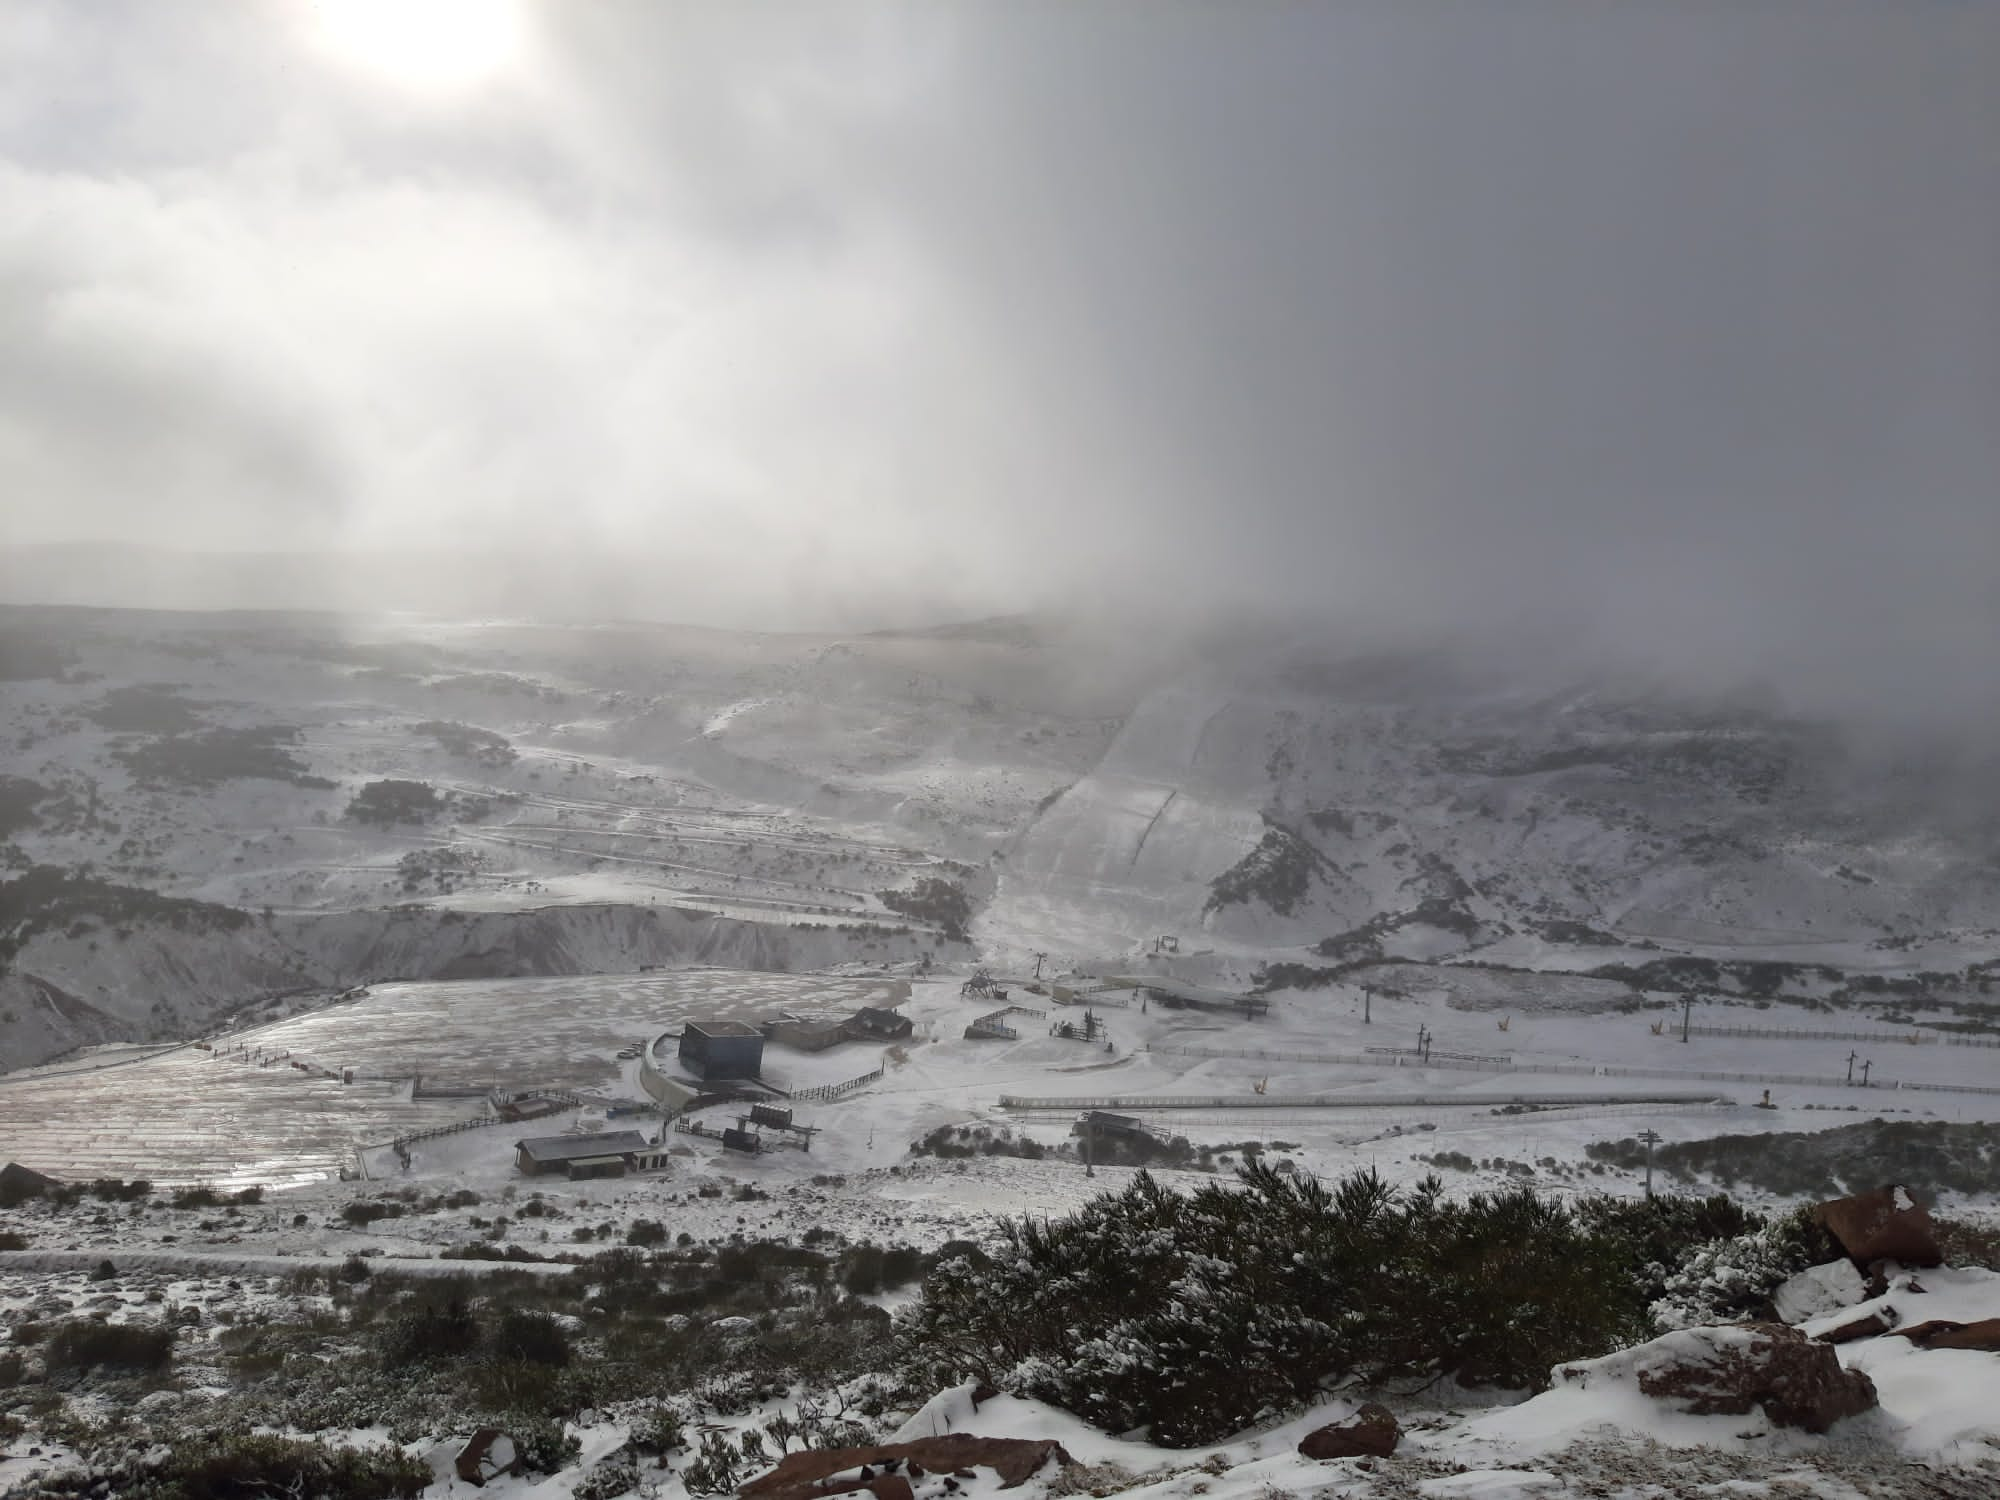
1687	1014
1652	1139
1865	1066
1852	1058
1367	1006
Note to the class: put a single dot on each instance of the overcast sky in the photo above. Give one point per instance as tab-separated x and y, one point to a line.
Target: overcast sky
1677	321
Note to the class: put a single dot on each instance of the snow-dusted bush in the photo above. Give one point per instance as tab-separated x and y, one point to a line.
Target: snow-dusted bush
208	1466
608	1478
1197	1315
544	1447
80	1344
1730	1279
395	801
530	1338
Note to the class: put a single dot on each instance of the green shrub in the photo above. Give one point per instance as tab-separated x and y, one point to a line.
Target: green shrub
862	1273
79	1344
933	900
1727	1280
427	1333
530	1338
1966	1244
235	1466
210	756
1926	1156
661	1431
393	801
901	1265
1257	1297
543	1445
1656	1235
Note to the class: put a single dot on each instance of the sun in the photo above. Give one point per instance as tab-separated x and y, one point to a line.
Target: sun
426	44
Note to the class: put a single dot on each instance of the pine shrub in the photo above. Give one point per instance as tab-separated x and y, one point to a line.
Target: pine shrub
1196	1315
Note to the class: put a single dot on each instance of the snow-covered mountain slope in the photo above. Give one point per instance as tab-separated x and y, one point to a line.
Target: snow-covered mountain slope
1258	800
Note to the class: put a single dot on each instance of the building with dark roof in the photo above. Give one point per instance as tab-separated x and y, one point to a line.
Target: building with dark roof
712	1050
610	1153
875	1024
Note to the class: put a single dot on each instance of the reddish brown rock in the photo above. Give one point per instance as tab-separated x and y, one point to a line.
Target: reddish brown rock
1864	1327
1985	1334
802	1476
1371	1432
1922	1333
1887	1224
1749	1367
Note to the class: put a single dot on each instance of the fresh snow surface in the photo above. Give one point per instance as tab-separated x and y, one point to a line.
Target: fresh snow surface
675	823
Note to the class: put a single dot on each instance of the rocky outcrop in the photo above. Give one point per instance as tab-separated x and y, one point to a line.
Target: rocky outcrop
1886	1224
1372	1431
1947	1333
1983	1335
887	1468
1865	1326
1735	1370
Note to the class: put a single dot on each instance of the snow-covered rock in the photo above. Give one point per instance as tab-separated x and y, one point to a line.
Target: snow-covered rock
1819	1290
1734	1371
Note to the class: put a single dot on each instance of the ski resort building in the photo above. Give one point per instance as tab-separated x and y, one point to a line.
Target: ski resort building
606	1154
808	1031
712	1050
875	1024
1176	994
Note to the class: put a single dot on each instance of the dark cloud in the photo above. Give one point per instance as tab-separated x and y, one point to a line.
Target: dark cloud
1675	328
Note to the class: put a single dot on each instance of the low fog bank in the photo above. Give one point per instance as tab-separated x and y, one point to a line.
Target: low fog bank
1899	670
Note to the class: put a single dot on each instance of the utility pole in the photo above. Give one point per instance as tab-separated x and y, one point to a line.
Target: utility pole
1864	1071
1687	1013
1089	1125
1038	964
1852	1058
1652	1139
1424	1043
1367	1006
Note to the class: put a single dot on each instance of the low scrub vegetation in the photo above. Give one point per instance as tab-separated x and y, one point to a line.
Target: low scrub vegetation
933	900
1928	1156
1262	1294
145	708
213	756
395	801
19	797
239	1465
47	898
28	655
469	742
1278	873
138	1348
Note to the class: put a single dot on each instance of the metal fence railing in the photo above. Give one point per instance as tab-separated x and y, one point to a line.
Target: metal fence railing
1337	1101
835	1090
1589	1070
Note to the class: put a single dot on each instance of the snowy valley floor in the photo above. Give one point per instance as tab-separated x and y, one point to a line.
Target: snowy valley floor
239	1123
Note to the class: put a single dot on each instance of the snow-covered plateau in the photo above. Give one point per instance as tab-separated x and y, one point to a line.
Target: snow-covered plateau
306	921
